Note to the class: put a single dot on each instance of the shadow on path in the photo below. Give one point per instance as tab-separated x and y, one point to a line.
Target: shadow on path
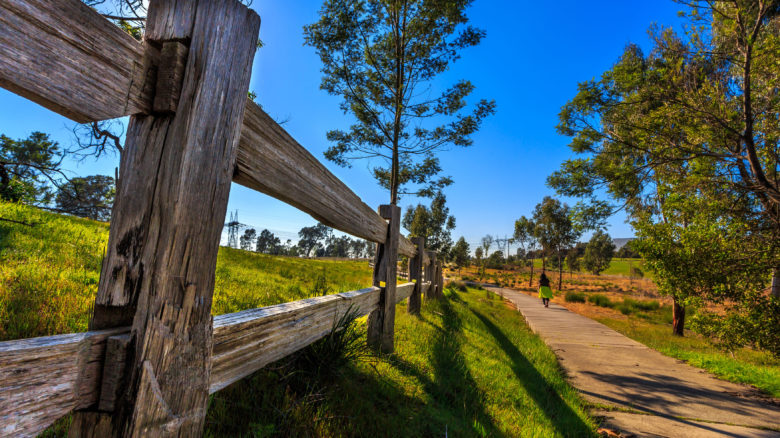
561	416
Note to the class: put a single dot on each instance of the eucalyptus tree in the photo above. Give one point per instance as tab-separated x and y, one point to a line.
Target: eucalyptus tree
28	166
479	256
524	236
90	196
434	223
598	253
485	243
460	253
381	57
718	83
555	230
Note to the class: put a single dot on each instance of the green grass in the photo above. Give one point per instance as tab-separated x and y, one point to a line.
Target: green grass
746	366
49	274
574	297
468	366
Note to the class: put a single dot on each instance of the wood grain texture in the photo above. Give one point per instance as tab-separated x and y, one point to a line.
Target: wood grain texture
416	275
170	75
114	366
406	247
171	20
42	379
175	177
439	280
66	57
430	270
381	322
403	291
272	162
246	341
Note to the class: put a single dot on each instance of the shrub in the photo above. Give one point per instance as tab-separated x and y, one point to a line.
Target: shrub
646	306
601	300
575	297
624	308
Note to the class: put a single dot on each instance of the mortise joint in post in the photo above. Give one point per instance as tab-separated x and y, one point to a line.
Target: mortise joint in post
114	366
170	76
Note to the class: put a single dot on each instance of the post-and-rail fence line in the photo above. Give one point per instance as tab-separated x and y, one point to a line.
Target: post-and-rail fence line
154	352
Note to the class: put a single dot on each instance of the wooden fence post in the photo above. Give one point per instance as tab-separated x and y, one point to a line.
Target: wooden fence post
416	275
381	322
172	193
440	278
430	275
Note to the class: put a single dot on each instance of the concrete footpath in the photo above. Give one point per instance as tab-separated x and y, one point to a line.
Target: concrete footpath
655	395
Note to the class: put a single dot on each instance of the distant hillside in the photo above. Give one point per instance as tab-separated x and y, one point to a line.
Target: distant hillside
622	241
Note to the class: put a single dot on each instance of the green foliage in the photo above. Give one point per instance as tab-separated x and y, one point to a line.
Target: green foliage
600	300
27	167
703	192
311	237
573	259
598	253
379	57
554	230
574	297
90	197
643	305
460	253
434	223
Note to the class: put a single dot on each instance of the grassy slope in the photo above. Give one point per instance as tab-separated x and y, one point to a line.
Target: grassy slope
468	366
49	274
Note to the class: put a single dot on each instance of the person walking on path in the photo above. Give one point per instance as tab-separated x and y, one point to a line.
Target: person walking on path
545	293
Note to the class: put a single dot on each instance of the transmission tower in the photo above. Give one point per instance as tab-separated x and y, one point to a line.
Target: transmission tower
233	227
504	243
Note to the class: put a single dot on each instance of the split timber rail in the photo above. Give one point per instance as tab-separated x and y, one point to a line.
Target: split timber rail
154	352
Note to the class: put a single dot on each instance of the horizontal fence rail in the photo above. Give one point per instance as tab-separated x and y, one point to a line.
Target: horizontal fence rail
43	379
66	57
272	162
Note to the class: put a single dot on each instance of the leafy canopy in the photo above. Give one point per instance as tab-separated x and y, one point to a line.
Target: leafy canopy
382	58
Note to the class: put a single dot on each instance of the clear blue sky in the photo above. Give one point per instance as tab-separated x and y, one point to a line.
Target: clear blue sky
533	57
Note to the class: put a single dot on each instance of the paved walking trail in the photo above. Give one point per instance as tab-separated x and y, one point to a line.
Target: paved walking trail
666	397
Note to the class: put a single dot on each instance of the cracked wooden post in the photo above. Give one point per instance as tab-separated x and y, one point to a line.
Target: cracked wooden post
415	275
381	322
172	193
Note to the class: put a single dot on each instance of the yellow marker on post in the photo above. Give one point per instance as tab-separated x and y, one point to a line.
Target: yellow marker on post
382	284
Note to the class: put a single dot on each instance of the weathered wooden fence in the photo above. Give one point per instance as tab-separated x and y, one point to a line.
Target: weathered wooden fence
154	352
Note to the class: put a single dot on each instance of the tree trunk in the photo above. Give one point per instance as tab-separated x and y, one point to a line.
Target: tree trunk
776	283
531	278
678	323
560	273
